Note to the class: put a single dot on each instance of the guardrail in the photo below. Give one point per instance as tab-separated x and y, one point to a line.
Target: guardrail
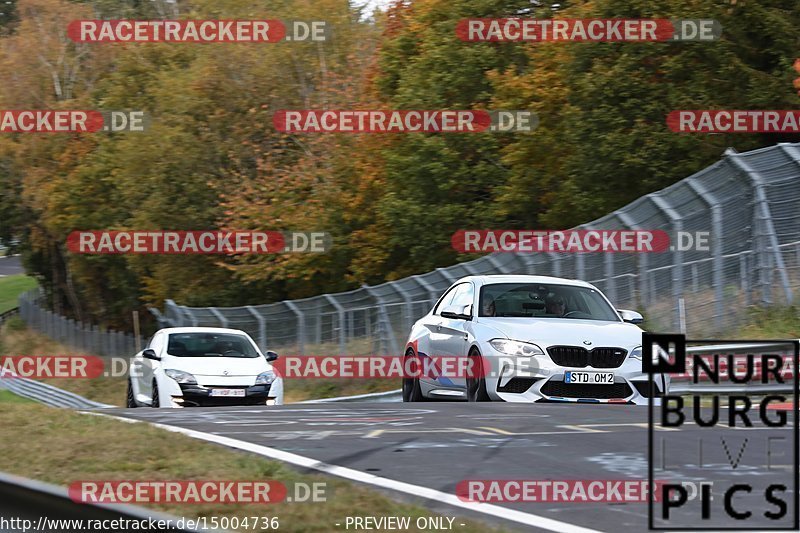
8	314
46	507
88	338
46	394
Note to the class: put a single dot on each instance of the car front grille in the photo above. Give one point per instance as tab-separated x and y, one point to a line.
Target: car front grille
586	390
607	357
569	355
518	385
579	357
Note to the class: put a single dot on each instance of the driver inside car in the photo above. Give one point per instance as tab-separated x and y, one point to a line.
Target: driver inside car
555	305
488	306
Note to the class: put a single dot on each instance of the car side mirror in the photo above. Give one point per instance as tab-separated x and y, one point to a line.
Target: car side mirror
150	354
271	356
458	312
630	316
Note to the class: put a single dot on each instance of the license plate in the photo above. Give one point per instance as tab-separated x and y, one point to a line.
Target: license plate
595	378
227	392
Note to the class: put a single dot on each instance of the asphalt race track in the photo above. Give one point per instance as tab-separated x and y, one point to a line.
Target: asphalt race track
10	266
435	445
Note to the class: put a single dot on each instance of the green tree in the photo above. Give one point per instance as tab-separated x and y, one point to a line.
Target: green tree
603	106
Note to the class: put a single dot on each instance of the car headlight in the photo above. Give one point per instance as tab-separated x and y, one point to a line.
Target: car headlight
510	347
265	378
181	377
636	353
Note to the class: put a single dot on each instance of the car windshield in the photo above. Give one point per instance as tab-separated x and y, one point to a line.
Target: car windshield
544	300
210	345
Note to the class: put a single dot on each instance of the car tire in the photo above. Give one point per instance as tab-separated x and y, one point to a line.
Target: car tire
130	400
412	391
476	387
156	403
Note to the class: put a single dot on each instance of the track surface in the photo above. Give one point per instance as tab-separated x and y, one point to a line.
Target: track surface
435	445
10	266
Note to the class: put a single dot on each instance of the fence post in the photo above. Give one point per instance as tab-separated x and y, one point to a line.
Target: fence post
717	247
71	333
676	270
219	316
384	319
610	284
580	267
95	340
341	314
262	327
433	295
743	278
766	216
301	326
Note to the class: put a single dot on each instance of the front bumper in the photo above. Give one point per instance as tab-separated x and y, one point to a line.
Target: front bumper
200	396
544	381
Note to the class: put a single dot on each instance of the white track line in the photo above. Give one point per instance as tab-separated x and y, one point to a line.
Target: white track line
362	477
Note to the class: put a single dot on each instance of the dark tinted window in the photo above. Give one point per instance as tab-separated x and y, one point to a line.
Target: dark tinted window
543	300
210	345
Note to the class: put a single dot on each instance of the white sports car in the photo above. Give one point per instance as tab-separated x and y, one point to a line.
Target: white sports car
533	338
202	367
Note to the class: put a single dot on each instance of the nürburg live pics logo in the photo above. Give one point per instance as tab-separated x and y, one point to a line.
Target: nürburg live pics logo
728	423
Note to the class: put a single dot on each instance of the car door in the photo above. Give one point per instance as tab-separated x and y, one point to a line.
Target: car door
454	337
433	323
146	367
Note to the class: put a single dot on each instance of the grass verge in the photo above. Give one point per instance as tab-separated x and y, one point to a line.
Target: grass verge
61	447
10	397
17	339
11	287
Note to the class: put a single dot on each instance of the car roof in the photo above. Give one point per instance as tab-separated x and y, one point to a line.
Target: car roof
202	330
520	278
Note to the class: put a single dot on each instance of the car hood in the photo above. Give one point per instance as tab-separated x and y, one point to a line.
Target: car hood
553	331
217	366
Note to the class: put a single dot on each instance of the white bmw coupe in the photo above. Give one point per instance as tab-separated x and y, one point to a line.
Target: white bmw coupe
532	338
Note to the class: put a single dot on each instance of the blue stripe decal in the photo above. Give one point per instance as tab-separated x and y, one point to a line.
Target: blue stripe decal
444	380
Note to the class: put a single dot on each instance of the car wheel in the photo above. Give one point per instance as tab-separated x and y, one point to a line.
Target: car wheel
130	401
476	386
412	391
155	403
